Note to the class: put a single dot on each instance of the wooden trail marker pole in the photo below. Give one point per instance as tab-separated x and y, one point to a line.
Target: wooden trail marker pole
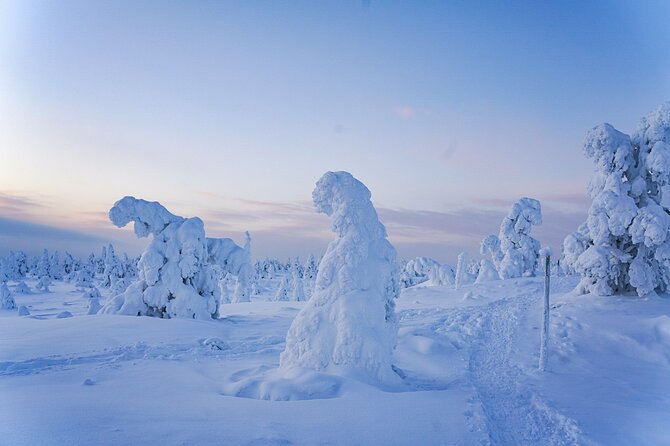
544	336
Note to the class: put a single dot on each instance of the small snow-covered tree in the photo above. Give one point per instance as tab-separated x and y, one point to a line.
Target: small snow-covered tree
22	288
114	269
42	266
514	252
282	290
55	267
298	290
442	275
43	284
175	278
460	270
311	268
244	273
6	299
70	266
487	271
350	320
624	244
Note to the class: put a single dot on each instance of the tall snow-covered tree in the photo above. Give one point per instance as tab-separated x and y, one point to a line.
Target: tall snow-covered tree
624	244
350	321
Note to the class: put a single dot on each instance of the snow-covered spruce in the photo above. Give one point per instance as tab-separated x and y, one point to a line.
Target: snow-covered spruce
175	278
22	288
487	271
6	299
350	321
43	284
624	244
282	290
514	252
229	258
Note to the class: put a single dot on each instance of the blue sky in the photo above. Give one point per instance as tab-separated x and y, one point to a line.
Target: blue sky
448	111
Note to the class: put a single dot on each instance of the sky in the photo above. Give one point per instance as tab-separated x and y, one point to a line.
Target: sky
231	111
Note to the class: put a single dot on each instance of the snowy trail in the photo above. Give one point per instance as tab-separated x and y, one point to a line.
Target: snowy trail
514	413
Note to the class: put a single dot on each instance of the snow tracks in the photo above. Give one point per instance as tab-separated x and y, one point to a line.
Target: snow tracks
490	337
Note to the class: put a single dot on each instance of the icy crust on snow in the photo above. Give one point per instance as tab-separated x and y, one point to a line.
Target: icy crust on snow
175	278
350	320
624	245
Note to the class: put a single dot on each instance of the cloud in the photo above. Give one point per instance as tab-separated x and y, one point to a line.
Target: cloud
283	229
18	206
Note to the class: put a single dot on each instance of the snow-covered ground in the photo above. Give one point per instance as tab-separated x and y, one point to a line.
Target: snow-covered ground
469	359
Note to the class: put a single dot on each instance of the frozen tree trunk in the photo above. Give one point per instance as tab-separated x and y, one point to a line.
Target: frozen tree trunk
544	336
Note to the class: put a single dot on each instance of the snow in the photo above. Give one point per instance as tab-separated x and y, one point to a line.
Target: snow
469	367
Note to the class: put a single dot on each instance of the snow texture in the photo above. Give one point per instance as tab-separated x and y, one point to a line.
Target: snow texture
350	321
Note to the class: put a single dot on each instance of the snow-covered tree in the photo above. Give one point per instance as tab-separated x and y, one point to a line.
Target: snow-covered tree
282	290
22	288
70	266
298	290
350	321
43	284
311	268
55	267
94	306
175	279
461	272
224	288
6	299
624	244
417	271
113	270
487	271
514	252
244	273
42	266
442	275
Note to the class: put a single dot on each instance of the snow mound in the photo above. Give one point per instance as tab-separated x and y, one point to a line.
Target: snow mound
350	320
22	288
23	311
288	385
